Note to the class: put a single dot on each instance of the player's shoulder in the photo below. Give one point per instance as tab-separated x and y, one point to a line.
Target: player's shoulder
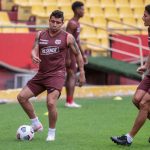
72	23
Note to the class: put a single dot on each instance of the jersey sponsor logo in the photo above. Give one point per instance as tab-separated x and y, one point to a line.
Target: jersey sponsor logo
42	41
49	50
58	42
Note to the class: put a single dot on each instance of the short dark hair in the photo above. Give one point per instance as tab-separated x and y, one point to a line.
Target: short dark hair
147	8
57	14
77	4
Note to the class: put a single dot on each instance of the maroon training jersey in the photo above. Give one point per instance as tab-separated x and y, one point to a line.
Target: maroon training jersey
52	52
149	37
77	30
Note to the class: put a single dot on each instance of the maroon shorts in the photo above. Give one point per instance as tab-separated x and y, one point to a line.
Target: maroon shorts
145	84
37	84
71	61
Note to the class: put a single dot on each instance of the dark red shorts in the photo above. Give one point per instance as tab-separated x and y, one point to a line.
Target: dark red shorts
37	84
145	84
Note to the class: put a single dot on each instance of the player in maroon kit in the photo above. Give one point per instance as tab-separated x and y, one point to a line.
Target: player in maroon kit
141	97
49	51
73	27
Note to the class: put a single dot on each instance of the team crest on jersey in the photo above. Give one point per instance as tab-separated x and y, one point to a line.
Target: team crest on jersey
49	50
58	42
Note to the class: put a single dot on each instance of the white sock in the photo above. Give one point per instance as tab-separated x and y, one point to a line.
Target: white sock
129	138
35	121
51	131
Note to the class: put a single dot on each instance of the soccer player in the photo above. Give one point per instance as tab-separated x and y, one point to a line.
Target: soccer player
49	51
141	97
73	27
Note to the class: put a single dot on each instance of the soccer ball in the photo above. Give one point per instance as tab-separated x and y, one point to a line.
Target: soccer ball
25	132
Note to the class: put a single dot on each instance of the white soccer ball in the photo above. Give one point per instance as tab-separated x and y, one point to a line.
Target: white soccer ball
25	132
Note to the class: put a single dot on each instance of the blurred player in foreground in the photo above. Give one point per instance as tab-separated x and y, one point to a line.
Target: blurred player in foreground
141	97
73	27
49	51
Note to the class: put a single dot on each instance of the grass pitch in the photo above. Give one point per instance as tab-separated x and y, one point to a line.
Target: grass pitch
88	128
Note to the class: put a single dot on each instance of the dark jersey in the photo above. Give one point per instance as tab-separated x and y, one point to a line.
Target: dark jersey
52	52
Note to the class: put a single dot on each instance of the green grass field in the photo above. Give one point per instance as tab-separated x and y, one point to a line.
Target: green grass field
88	128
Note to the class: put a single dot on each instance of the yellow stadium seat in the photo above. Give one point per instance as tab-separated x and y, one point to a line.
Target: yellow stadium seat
63	3
99	21
21	28
24	12
136	3
106	3
125	12
38	10
111	12
122	3
51	8
140	23
35	2
7	4
105	42
115	25
93	44
138	12
22	3
92	3
96	11
9	29
68	13
88	32
146	2
86	19
101	34
130	21
41	20
83	1
4	17
50	2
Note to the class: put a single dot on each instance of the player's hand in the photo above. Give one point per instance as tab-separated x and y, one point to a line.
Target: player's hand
141	69
35	59
82	79
85	59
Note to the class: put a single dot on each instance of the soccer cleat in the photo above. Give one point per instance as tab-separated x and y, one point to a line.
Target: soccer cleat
72	105
50	137
38	127
121	140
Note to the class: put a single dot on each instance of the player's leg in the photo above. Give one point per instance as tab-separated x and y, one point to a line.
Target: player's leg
144	109
23	99
52	113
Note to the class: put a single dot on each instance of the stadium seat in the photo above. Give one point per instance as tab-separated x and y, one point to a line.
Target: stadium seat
50	8
50	2
125	12
21	28
130	21
99	21
136	3
92	3
140	23
68	13
22	3
38	10
9	29
88	32
24	12
86	19
146	2
61	3
6	4
138	12
35	2
105	3
4	18
84	1
110	12
42	20
101	34
122	3
96	11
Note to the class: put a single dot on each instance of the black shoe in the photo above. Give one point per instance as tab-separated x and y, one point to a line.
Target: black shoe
120	140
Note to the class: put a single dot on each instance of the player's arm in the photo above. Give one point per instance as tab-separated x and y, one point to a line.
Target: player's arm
74	47
35	50
146	66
